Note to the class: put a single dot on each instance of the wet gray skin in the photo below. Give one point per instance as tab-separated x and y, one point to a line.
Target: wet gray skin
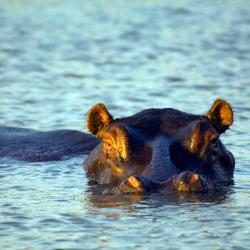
35	146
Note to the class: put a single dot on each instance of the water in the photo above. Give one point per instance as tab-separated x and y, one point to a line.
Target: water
57	58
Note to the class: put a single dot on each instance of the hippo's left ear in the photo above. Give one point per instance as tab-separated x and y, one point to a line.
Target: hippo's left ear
98	118
221	115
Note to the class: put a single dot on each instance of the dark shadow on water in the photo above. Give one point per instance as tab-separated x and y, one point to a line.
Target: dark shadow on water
99	200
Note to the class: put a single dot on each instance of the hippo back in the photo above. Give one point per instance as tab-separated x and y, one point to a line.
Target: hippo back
31	145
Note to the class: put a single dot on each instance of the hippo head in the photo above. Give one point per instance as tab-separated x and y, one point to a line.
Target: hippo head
157	144
122	150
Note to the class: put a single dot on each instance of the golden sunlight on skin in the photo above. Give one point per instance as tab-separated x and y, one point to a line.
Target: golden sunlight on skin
115	169
194	178
193	143
221	112
122	143
132	185
115	143
94	116
226	115
187	183
199	140
134	182
115	146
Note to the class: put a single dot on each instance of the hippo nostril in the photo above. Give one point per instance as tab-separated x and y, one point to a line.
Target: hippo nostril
194	177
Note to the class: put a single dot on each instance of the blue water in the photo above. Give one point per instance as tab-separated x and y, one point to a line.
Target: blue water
58	58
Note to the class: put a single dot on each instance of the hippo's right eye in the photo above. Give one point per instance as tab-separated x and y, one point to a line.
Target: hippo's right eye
213	141
213	138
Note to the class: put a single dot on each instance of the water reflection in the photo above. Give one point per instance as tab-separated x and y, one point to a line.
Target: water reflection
98	200
58	58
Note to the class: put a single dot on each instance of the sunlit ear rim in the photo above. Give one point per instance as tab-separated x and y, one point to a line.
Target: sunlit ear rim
221	114
98	118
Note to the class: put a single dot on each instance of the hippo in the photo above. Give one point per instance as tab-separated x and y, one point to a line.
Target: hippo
40	146
155	150
160	150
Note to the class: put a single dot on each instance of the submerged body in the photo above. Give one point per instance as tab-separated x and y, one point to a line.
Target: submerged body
31	145
161	149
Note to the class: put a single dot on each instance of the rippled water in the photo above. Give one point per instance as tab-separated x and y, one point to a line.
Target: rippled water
57	58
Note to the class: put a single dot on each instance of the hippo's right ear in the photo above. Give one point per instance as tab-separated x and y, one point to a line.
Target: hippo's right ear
221	115
98	118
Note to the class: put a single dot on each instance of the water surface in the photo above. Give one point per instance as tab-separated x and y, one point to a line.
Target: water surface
57	58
